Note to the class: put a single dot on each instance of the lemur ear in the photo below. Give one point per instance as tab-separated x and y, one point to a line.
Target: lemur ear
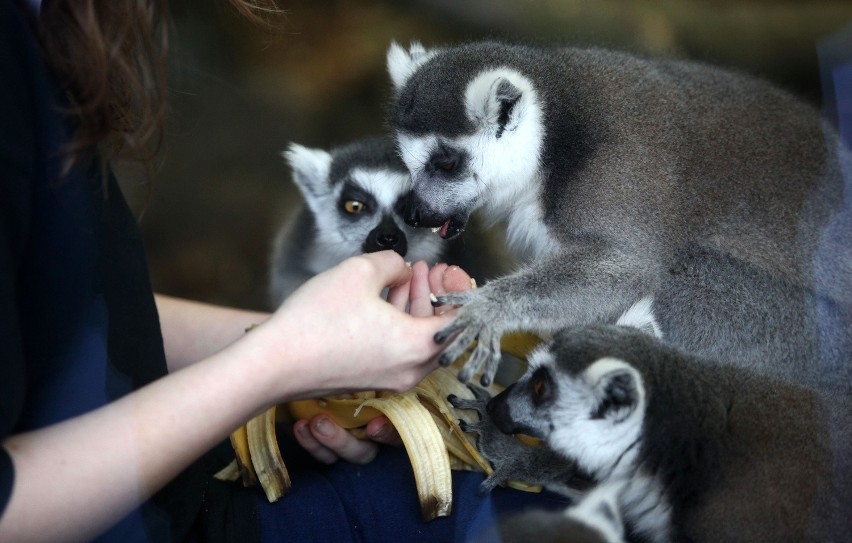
310	168
617	388
494	97
641	315
402	63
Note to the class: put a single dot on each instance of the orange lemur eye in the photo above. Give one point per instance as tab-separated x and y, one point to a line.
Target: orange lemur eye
538	385
354	206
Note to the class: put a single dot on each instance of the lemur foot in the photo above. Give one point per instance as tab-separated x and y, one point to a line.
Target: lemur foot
508	456
477	320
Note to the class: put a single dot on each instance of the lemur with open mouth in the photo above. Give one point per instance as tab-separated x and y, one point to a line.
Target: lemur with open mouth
617	177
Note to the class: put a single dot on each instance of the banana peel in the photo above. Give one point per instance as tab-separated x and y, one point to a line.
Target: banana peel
426	422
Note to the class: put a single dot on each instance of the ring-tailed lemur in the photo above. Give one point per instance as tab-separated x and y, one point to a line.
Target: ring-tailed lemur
353	196
605	166
708	452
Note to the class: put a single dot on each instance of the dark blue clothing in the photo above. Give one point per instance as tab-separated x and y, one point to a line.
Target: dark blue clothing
79	328
348	503
78	323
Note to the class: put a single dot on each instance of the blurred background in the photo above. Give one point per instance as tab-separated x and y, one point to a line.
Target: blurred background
239	95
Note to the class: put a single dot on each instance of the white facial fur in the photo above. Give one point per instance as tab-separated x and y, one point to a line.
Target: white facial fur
604	446
443	197
385	186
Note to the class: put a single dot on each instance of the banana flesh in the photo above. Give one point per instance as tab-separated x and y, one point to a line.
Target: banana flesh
426	422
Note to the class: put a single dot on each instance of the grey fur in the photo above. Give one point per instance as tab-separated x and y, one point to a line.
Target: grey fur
645	167
722	454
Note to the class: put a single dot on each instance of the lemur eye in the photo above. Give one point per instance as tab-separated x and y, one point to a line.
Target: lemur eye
542	387
448	164
538	385
354	206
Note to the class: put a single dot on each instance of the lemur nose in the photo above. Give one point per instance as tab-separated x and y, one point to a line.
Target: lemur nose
446	162
386	235
388	240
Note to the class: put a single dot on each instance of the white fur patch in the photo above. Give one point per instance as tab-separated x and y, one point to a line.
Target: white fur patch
508	167
645	507
310	168
540	356
447	197
600	510
415	151
385	186
641	315
601	446
401	63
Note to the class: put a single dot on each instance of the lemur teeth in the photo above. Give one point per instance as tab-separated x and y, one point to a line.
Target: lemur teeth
435	230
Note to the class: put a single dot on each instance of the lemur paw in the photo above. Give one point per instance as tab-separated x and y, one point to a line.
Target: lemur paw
476	321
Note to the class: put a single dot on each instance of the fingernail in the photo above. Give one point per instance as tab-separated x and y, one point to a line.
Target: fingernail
303	430
323	427
380	432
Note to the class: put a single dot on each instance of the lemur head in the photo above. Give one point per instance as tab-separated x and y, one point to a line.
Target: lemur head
356	194
586	402
469	128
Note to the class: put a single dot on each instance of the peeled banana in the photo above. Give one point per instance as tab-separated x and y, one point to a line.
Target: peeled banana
426	422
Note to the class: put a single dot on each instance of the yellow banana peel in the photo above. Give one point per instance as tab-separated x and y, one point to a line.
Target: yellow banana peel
426	422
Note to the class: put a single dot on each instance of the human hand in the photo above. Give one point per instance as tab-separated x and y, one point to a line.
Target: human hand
327	441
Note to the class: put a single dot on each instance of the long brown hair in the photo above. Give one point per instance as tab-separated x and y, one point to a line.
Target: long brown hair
111	57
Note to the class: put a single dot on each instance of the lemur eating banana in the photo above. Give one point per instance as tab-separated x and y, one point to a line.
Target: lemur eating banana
615	177
704	451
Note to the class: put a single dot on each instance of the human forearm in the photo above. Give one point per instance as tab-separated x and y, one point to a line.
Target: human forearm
76	478
194	330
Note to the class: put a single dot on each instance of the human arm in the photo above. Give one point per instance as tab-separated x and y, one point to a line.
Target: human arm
194	330
76	478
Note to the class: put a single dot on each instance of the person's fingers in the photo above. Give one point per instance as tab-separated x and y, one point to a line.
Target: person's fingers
390	269
419	303
302	431
381	430
398	295
456	279
341	442
436	279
